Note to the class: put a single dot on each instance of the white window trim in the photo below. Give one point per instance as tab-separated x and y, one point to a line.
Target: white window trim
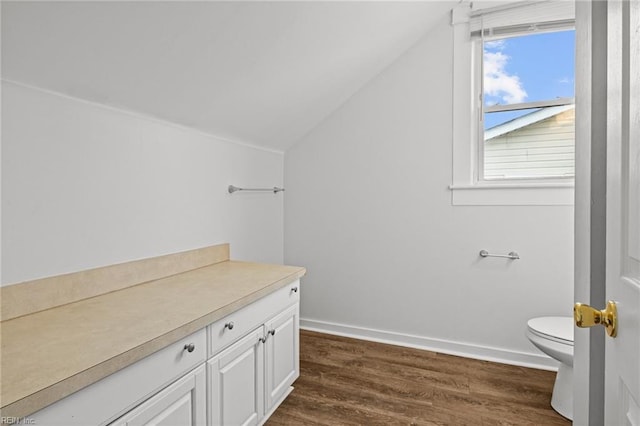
466	187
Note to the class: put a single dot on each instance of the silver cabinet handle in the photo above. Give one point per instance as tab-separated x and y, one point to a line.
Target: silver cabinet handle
189	347
294	289
229	325
271	332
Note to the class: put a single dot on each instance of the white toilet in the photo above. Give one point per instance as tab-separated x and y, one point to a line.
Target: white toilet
554	337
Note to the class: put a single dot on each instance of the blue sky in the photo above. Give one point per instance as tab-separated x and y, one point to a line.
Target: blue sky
526	69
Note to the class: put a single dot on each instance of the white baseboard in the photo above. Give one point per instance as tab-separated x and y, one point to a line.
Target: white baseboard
467	350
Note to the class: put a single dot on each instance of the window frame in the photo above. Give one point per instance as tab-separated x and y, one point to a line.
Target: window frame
468	184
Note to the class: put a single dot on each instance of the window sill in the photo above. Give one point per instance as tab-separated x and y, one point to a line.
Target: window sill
513	194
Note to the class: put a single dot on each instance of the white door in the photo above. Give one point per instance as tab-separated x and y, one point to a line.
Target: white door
622	356
182	403
236	383
282	355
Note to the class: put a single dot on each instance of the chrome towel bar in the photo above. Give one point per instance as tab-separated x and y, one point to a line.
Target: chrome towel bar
512	255
275	189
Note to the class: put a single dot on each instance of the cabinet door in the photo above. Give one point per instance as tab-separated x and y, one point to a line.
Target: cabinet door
281	355
181	403
236	382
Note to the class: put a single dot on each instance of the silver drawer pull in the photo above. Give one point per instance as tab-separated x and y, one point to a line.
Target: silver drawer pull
190	347
294	289
229	325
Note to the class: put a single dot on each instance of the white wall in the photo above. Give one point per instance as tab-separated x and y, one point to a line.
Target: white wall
369	213
85	186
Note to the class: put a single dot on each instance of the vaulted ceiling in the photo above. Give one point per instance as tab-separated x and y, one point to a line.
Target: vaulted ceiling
263	73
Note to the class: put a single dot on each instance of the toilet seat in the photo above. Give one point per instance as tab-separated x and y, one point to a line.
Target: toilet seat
557	329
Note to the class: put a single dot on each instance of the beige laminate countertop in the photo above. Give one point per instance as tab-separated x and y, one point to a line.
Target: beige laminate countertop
48	355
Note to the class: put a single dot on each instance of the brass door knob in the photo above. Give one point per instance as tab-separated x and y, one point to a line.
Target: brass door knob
586	316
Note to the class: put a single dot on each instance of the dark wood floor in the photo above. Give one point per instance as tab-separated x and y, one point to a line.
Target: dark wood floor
355	382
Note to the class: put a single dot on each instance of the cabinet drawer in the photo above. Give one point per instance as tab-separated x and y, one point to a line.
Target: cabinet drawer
232	327
114	395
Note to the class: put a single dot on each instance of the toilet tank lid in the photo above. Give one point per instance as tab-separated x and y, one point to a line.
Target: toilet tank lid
558	327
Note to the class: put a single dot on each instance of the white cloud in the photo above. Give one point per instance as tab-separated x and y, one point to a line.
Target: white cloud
495	44
498	83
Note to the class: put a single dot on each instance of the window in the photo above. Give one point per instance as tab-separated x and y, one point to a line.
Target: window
514	100
527	129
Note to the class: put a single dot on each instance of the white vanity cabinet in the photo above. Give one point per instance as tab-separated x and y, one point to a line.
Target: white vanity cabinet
236	371
250	376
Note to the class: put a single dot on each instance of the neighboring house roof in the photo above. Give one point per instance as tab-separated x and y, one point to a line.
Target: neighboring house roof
525	120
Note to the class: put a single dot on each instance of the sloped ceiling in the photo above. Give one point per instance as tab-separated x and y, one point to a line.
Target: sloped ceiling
263	73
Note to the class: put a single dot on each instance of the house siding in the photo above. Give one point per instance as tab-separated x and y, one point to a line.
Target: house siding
545	148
